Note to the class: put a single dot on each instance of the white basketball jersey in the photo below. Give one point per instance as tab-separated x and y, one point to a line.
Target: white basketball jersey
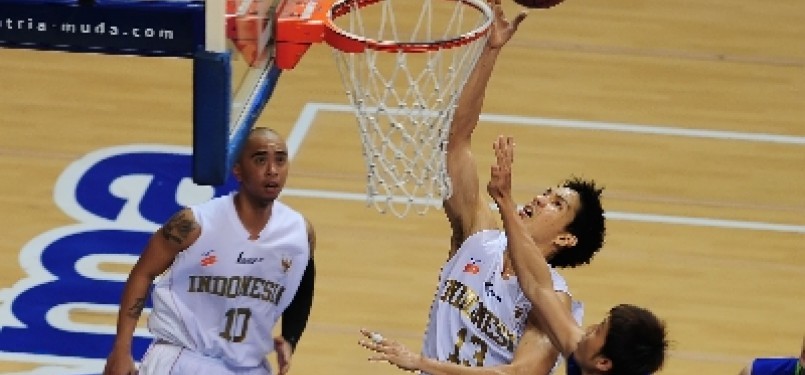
477	317
224	294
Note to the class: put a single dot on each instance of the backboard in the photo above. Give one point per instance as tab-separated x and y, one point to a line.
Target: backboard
233	78
229	41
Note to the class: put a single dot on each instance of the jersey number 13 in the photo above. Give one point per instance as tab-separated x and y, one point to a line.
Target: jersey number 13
480	352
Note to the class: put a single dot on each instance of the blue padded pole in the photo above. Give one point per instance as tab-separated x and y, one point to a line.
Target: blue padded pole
264	90
212	81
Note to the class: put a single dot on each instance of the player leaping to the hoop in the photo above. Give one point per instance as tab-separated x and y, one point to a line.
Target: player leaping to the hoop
479	319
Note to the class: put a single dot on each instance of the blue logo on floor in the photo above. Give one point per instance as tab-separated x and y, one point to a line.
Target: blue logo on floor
117	198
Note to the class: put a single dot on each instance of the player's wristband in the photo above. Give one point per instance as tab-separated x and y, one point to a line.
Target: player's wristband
294	318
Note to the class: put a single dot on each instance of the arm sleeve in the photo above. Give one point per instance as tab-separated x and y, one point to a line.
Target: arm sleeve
294	318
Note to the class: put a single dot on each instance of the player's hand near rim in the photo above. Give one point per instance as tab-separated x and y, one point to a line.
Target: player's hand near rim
502	29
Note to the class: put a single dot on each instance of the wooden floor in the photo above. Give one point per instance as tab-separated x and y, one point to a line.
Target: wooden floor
692	113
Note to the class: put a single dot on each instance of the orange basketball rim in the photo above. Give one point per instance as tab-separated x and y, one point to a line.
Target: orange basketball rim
301	23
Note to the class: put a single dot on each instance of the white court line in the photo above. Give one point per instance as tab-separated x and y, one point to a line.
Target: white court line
646	129
613	215
600	126
308	115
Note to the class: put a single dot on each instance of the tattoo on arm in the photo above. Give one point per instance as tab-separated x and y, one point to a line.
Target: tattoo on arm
137	308
177	228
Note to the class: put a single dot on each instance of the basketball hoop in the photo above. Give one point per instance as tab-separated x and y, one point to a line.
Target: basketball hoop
403	75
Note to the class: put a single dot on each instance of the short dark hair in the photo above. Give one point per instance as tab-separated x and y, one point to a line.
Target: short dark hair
636	341
588	226
253	131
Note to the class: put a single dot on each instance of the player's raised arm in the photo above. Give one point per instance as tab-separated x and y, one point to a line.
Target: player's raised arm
466	208
531	268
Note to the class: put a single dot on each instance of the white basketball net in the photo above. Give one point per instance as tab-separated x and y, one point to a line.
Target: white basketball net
404	101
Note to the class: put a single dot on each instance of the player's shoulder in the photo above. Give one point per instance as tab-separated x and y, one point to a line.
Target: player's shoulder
215	203
211	210
560	284
483	243
311	234
281	208
485	237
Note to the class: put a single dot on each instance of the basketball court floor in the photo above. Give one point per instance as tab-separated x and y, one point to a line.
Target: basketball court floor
691	113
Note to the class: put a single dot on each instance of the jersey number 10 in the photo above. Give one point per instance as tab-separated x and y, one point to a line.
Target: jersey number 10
234	316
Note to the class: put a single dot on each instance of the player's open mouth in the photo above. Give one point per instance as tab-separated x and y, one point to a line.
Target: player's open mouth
527	211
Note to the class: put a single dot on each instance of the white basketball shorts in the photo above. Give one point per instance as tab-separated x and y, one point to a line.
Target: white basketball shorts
163	358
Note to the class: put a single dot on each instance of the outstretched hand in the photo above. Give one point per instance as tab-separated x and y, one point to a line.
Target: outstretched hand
502	29
500	180
284	354
390	351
